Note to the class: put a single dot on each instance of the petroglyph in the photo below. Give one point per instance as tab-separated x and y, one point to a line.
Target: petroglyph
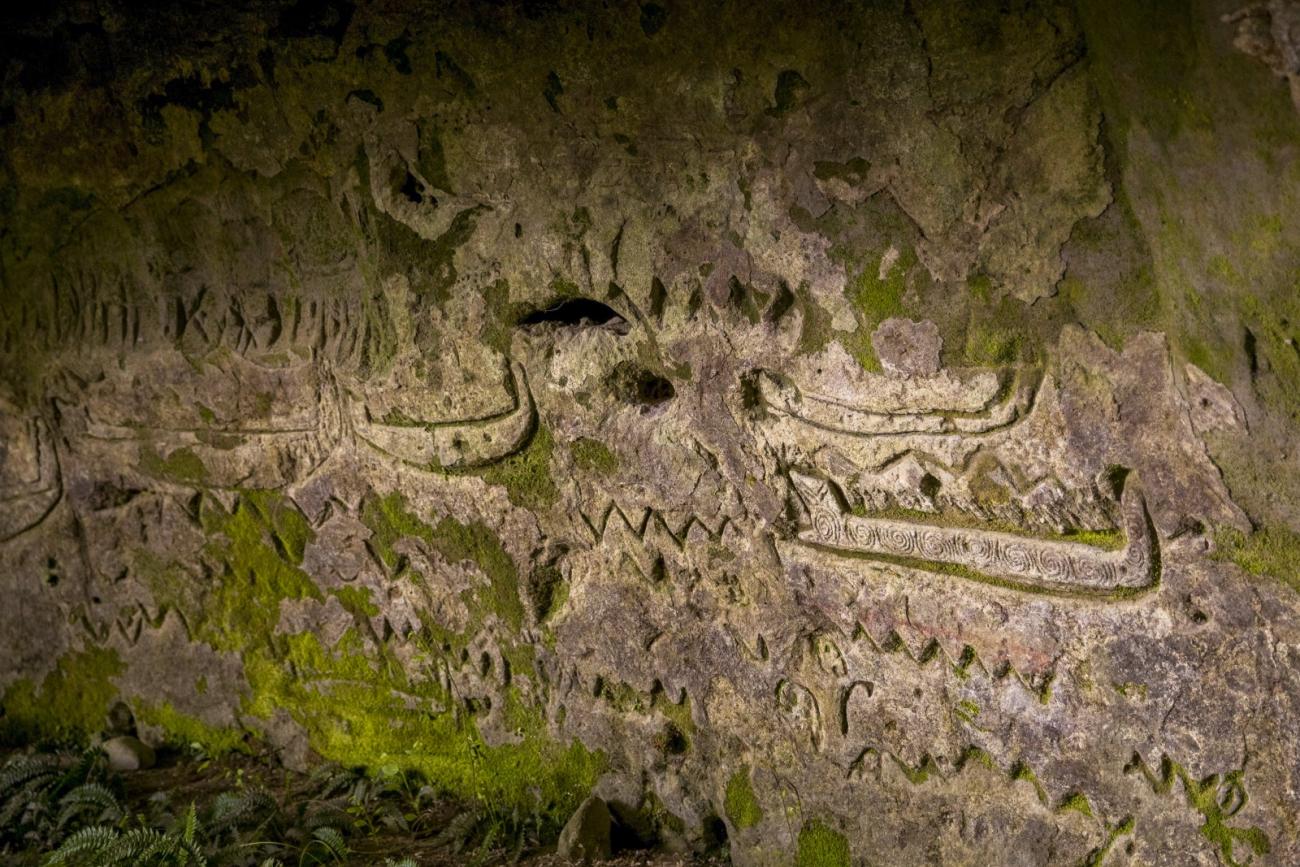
452	444
31	483
834	416
869	439
193	446
1050	566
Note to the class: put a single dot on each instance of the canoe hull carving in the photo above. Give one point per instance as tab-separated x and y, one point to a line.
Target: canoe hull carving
457	444
1049	566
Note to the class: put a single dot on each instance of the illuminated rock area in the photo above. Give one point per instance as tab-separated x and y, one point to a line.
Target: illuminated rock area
828	433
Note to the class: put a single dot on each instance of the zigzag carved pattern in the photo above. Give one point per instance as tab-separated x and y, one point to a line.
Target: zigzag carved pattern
652	521
967	661
927	767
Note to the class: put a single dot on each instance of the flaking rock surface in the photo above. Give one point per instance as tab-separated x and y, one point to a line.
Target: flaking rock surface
862	436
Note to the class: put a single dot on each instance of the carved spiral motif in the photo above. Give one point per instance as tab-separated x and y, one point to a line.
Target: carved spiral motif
983	551
899	539
827	526
934	544
864	534
1055	566
1097	572
1137	559
1018	558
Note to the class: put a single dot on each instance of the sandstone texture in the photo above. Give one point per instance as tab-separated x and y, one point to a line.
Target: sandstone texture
860	434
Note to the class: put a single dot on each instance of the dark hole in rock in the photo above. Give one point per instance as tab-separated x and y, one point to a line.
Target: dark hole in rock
658	298
411	189
578	311
714	832
632	383
781	304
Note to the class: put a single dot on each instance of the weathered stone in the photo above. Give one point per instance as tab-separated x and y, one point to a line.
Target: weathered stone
863	434
128	753
908	348
585	837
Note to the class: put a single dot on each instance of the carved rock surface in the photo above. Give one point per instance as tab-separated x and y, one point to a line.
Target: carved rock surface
861	434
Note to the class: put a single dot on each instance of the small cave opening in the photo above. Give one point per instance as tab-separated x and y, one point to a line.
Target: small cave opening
580	311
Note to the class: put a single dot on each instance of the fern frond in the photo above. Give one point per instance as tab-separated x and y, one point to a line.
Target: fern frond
132	846
332	840
190	829
23	769
81	772
92	840
89	796
232	810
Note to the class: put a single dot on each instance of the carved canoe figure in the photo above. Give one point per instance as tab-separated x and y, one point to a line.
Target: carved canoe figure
1050	566
222	448
31	483
457	443
829	414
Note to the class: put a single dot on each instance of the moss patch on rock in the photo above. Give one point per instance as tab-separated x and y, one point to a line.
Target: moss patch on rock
594	456
187	730
526	475
743	809
70	704
1271	551
822	846
360	708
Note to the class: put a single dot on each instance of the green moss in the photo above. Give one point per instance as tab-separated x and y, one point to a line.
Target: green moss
820	846
184	729
874	300
991	346
877	298
1271	551
357	601
359	708
967	710
815	329
742	807
182	466
1020	772
71	703
526	475
679	716
594	456
918	774
1077	802
389	520
1217	798
260	546
477	543
1097	857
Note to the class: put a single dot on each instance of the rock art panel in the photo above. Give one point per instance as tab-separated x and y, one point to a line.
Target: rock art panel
847	433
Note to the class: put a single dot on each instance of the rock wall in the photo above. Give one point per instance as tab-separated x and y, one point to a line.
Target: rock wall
858	431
